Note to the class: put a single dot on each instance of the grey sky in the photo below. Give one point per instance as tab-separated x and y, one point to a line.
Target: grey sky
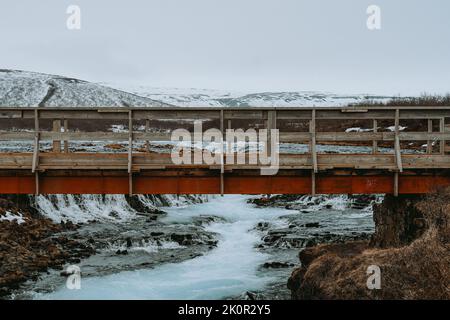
258	45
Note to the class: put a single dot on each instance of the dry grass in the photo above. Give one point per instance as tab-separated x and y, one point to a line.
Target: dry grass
426	100
418	271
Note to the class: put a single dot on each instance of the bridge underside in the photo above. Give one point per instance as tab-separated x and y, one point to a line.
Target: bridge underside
183	181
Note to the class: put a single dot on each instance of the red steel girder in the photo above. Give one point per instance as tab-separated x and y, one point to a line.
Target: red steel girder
142	184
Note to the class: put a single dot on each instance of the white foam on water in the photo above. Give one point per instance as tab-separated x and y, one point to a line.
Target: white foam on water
149	246
228	270
84	208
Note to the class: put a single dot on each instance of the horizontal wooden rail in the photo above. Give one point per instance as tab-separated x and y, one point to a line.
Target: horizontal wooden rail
186	113
284	136
148	161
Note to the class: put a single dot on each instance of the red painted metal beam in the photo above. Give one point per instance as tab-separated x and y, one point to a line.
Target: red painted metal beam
142	184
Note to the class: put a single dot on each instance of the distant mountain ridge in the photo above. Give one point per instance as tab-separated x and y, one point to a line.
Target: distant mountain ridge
32	89
222	98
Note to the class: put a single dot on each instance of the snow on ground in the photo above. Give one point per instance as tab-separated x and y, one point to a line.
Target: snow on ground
9	216
221	98
392	128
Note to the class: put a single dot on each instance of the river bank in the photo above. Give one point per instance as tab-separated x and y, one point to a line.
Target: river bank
410	249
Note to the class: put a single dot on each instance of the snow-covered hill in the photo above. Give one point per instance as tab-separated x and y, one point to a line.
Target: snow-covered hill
31	89
219	98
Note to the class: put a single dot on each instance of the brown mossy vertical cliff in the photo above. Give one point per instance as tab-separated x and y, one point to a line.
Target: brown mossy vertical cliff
398	221
411	246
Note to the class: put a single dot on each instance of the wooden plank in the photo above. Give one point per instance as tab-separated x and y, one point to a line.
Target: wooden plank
375	142
147	128
130	153
17	136
130	141
106	161
84	136
313	150
442	130
284	136
66	142
57	128
429	141
271	124
222	156
398	156
331	113
354	110
36	142
10	114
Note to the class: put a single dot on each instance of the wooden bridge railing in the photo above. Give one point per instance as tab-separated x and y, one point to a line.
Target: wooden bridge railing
434	132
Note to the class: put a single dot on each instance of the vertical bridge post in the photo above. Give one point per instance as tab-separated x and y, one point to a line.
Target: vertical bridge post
147	128
430	142
66	142
271	124
130	152
442	130
398	155
57	129
222	156
375	142
35	162
313	151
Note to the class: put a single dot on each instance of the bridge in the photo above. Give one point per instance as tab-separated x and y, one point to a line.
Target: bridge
393	150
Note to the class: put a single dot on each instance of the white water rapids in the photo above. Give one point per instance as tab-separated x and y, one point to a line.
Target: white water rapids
228	270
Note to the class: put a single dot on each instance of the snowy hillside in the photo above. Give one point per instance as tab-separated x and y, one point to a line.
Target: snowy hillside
30	89
219	98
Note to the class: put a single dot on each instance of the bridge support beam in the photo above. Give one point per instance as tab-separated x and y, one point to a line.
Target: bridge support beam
177	183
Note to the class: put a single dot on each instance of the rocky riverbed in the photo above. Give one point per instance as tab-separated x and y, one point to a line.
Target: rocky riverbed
231	247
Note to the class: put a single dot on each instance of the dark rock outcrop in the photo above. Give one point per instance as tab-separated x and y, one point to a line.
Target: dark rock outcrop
398	221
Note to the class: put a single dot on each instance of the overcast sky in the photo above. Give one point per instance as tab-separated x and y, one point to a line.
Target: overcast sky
255	45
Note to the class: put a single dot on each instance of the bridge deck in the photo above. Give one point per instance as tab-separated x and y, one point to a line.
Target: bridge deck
137	171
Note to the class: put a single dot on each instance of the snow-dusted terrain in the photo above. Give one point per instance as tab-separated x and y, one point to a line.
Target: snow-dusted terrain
222	98
31	89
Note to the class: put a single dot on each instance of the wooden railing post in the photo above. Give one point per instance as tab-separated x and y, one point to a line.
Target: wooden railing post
57	143
35	162
130	151
271	123
147	128
398	155
442	130
313	151
66	142
430	142
222	156
375	142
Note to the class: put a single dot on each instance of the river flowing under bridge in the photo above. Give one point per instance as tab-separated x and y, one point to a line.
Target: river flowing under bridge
326	150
